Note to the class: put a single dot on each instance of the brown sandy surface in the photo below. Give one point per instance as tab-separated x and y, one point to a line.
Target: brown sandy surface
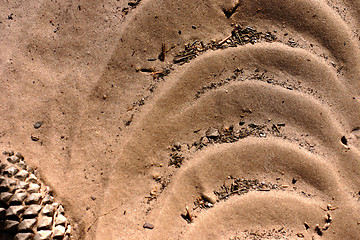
129	139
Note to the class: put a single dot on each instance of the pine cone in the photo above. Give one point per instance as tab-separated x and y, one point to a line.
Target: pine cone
27	207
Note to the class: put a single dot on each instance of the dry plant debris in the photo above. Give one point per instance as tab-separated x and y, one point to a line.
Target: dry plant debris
272	234
239	36
238	186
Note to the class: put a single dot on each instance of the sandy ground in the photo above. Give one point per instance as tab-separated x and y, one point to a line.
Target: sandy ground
156	112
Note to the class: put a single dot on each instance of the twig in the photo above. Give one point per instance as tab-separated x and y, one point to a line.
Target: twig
100	217
225	39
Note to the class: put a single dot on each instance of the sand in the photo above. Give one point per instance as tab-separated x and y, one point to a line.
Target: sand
283	112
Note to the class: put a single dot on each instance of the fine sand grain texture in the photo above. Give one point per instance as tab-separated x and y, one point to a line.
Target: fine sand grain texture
188	119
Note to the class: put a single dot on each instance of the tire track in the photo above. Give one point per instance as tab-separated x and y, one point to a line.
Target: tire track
323	108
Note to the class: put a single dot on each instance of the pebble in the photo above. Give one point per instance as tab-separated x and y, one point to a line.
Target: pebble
13	159
156	176
19	155
212	133
177	145
148	226
35	139
38	124
209	198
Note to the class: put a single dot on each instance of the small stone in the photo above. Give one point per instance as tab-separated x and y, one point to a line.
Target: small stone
38	124
300	235
326	226
212	133
13	159
133	3
45	223
177	145
253	125
20	156
34	138
148	226
59	231
211	198
27	225
307	226
318	230
156	176
11	152
93	198
24	236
